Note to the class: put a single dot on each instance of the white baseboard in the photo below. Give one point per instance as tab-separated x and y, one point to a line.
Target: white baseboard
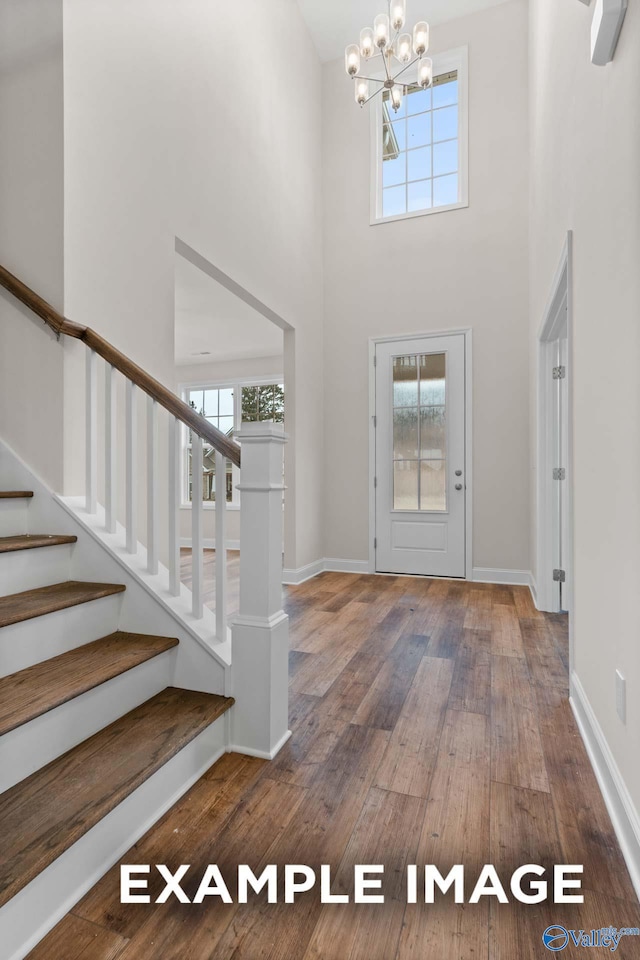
261	754
336	565
346	566
210	544
622	811
497	575
310	570
293	577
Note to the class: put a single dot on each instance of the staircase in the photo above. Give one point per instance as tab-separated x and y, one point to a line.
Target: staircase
66	662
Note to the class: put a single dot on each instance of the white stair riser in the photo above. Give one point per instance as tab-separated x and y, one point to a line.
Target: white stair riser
26	918
13	517
28	569
23	644
34	744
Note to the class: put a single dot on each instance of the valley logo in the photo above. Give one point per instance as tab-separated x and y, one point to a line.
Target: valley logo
557	938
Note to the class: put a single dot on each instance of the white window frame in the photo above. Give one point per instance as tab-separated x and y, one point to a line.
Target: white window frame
458	60
236	385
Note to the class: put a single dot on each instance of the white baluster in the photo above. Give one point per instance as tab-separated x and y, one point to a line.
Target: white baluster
175	462
221	547
152	486
91	434
132	469
110	462
197	559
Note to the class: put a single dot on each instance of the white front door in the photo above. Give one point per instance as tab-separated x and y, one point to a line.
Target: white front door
420	456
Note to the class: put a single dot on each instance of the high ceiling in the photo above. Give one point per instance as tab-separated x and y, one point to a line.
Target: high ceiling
335	23
213	324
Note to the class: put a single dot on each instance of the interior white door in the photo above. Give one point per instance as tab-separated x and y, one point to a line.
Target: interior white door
420	456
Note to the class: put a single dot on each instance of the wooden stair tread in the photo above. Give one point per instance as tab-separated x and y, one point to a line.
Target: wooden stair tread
58	596
45	814
31	541
46	685
16	494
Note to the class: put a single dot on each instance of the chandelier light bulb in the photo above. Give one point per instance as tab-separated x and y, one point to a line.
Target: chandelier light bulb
362	91
367	43
421	38
403	48
398	14
381	30
396	97
352	59
425	72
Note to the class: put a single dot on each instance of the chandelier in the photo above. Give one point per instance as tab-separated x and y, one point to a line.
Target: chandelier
398	52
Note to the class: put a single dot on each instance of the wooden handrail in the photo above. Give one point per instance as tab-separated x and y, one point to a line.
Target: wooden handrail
152	387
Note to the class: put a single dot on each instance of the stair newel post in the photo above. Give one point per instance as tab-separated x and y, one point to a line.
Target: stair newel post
260	632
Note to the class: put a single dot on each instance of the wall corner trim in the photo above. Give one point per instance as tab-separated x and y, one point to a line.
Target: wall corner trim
624	816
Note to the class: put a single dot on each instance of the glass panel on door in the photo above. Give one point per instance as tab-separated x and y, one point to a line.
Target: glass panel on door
419	432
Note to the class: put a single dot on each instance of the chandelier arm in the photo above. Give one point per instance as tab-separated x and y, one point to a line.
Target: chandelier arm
406	67
359	76
373	95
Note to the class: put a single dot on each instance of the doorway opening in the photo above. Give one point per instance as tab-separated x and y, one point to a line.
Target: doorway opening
555	502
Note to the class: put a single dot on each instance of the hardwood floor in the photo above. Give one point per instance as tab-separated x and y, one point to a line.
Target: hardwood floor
430	725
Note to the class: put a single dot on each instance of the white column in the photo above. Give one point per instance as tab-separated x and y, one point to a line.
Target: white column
152	486
132	469
260	718
197	521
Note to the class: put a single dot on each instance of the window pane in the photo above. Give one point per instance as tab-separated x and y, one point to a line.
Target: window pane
265	402
394	201
445	124
433	485
419	195
405	433
418	101
405	485
196	400
432	378
445	94
419	130
226	402
405	382
394	171
211	403
432	433
445	190
419	163
249	404
225	424
445	157
397	137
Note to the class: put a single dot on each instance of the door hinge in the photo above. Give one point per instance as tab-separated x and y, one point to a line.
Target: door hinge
375	360
559	473
375	543
375	482
559	373
375	421
559	576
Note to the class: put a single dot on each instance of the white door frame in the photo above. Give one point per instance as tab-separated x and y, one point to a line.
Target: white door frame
553	322
466	332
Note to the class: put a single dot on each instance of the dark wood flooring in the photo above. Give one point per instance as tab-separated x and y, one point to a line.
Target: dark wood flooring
431	724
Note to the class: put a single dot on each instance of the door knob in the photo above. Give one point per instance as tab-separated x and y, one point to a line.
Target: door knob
458	473
458	486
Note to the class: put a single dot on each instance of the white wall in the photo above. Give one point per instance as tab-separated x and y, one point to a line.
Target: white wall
168	134
585	137
31	224
465	268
